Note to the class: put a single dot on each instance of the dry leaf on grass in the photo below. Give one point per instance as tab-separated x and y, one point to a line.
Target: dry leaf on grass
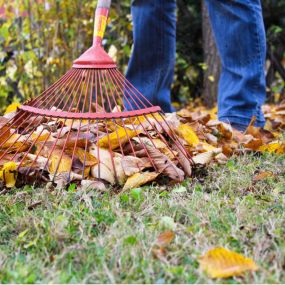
273	147
203	158
91	184
222	263
164	239
263	175
139	179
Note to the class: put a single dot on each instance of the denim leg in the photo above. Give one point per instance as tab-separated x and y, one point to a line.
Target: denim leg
151	67
239	32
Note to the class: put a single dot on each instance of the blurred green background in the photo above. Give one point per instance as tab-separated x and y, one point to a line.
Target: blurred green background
39	40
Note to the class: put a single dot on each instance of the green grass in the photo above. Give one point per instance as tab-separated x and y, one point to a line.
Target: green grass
74	236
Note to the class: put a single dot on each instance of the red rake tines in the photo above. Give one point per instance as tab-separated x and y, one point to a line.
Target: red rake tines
93	124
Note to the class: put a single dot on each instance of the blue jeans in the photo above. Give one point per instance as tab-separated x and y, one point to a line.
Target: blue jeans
240	37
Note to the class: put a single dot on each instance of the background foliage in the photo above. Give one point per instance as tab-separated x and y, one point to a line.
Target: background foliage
39	40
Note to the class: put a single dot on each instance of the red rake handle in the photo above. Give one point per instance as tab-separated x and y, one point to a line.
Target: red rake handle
100	22
88	116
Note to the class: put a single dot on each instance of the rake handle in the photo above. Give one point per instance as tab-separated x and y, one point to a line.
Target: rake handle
100	22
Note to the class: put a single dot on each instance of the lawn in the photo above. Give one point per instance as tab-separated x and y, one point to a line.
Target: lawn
49	235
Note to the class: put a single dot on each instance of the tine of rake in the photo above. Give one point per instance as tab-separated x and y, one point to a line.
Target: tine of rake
106	128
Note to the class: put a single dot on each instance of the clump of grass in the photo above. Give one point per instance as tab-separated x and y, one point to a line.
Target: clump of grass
75	236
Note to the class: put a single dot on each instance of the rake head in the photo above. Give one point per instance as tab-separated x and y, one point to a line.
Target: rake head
92	124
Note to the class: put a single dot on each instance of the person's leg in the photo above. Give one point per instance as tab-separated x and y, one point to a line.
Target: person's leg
151	66
239	32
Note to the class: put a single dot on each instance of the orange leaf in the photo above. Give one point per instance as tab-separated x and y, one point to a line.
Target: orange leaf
222	263
263	175
164	239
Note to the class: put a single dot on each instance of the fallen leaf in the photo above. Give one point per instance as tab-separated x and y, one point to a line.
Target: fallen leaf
12	108
165	165
41	161
221	158
8	174
222	263
119	170
274	147
183	161
16	142
263	175
40	135
60	162
90	184
187	133
132	165
101	171
159	253
203	158
139	179
164	239
85	157
251	142
117	138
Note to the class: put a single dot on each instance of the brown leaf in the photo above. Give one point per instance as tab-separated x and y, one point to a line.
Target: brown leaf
80	141
159	253
90	184
203	158
165	165
252	143
183	161
132	165
101	171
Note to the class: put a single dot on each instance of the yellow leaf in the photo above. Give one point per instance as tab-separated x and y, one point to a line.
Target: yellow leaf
85	157
208	147
114	139
274	147
139	179
43	136
15	142
8	174
188	134
12	108
222	263
60	164
165	238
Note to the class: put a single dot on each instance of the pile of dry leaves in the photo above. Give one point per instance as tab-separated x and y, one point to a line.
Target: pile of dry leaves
78	156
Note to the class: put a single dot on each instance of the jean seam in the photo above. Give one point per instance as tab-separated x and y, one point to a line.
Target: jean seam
258	47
